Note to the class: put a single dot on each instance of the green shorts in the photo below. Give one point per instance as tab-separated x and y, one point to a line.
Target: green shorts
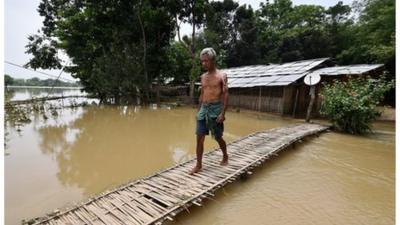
202	128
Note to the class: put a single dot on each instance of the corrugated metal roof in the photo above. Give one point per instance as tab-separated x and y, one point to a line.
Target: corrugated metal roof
270	75
347	70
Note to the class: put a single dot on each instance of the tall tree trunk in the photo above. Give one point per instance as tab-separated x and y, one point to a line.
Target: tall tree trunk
178	28
193	52
147	83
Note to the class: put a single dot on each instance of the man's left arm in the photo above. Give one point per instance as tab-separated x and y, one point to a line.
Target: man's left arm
225	97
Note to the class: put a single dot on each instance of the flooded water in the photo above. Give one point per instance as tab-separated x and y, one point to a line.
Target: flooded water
333	179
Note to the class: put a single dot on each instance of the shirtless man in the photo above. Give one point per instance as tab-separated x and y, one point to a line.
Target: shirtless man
212	106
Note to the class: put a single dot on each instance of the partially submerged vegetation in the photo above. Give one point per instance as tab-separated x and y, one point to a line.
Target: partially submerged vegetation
18	115
352	106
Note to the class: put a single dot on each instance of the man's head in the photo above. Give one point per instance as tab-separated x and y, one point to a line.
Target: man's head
207	58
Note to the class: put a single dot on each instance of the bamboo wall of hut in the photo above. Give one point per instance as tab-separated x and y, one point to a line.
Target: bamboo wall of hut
263	99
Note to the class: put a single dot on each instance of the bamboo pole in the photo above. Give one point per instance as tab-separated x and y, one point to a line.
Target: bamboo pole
19	102
312	93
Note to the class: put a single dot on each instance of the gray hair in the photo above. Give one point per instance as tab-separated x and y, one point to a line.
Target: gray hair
210	52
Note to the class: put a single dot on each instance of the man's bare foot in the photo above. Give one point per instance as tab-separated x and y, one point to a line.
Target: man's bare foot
195	170
224	161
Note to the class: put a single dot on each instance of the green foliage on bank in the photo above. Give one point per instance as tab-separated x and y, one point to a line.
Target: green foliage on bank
352	106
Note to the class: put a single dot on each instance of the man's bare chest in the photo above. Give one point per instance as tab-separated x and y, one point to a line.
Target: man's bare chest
211	82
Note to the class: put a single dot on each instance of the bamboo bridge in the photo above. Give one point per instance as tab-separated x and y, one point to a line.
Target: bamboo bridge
161	196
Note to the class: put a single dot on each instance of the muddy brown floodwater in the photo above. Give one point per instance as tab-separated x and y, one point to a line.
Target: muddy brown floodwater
333	179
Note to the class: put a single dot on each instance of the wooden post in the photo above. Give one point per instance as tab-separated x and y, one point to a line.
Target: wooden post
259	100
312	93
239	94
295	102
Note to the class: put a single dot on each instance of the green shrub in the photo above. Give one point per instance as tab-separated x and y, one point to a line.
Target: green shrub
351	105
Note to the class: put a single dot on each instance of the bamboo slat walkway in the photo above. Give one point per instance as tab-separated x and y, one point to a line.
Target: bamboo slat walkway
154	199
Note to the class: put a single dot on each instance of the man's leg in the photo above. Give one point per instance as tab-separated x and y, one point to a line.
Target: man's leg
199	153
222	145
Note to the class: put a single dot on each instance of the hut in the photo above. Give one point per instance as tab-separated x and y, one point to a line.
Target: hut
343	73
279	88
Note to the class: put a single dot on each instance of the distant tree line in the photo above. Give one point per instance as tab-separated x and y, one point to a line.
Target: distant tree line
123	49
10	81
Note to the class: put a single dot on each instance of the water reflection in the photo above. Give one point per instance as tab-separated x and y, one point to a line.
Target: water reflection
109	145
9	94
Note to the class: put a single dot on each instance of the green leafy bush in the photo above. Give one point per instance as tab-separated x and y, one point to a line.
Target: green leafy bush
351	105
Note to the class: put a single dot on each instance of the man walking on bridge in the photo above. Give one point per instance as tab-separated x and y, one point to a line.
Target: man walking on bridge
213	101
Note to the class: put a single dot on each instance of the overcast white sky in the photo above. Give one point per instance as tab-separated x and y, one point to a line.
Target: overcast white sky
21	19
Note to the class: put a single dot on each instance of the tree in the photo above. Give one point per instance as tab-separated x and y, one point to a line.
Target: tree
243	49
290	33
373	39
44	53
192	12
33	81
219	29
271	23
338	24
108	42
8	80
178	65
